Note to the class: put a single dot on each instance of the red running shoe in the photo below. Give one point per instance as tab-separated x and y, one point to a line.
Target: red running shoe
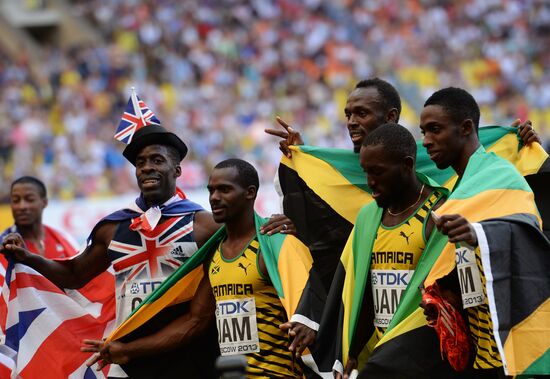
450	327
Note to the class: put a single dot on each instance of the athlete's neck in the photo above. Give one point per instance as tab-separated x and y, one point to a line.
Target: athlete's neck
399	211
34	232
241	228
462	162
407	197
239	234
158	201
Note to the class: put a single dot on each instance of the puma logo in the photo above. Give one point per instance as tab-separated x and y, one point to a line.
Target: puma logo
402	234
244	268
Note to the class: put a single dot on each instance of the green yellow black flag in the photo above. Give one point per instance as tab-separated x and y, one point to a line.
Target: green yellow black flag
329	183
493	195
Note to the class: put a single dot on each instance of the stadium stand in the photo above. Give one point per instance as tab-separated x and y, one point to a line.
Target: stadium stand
218	72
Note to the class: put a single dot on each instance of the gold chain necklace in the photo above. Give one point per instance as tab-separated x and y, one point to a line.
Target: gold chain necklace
410	206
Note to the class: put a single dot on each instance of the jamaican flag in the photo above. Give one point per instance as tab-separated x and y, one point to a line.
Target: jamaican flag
287	259
491	192
325	188
513	259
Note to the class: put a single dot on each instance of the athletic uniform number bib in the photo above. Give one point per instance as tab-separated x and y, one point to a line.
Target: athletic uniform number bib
237	328
134	292
471	287
387	288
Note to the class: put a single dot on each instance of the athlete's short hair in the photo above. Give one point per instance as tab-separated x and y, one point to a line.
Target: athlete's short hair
387	93
396	139
247	174
34	181
459	104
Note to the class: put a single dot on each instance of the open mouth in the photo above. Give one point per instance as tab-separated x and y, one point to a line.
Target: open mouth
150	182
217	210
356	137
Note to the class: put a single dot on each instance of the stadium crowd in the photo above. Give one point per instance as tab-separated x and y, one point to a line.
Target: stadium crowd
217	73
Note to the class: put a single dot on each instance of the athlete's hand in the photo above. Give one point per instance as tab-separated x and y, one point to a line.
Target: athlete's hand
456	227
302	336
351	366
94	346
106	352
13	245
289	136
527	133
278	223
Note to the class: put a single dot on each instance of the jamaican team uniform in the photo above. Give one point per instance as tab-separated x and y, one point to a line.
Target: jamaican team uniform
248	314
395	254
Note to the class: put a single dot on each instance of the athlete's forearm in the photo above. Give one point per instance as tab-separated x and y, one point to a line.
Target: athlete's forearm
183	329
59	273
13	247
178	333
72	273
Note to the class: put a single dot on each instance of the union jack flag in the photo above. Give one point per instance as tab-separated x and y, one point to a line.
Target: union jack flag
135	116
156	253
44	326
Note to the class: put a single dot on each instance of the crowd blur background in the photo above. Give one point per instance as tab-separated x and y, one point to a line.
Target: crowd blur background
218	72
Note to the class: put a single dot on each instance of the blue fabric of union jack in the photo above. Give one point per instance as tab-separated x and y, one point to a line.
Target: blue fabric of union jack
136	116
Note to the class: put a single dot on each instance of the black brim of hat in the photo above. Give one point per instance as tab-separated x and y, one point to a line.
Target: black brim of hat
153	135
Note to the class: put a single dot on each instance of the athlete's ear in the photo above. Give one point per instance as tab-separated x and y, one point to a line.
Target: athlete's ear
392	115
178	171
408	163
467	127
251	192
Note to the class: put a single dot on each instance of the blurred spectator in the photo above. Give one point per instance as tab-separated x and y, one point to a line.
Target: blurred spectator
218	72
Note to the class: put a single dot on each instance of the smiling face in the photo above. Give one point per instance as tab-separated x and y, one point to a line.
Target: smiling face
156	174
228	199
27	204
385	174
442	137
364	113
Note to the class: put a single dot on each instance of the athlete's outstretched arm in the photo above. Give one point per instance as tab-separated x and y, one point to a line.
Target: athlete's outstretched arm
177	333
71	273
204	226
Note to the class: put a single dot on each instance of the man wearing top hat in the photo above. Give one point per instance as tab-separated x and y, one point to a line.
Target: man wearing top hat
145	243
